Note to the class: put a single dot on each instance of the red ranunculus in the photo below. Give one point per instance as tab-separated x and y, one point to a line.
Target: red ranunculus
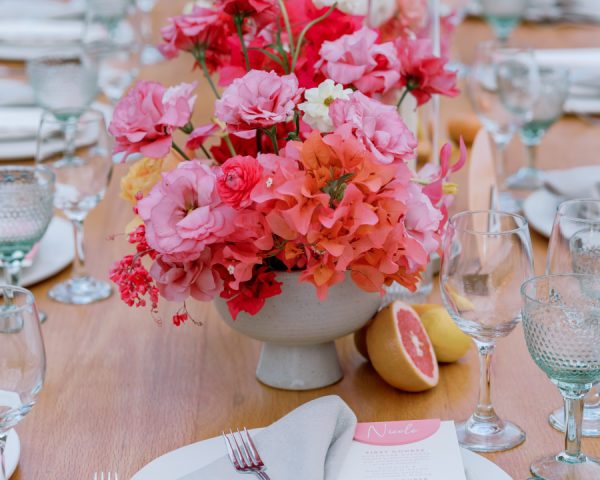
239	175
252	294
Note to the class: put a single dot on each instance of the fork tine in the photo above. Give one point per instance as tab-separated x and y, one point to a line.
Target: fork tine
246	463
249	455
253	448
230	453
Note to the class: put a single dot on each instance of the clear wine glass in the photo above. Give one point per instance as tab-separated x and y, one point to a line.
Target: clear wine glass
483	89
24	359
111	39
487	256
65	83
575	247
548	108
26	195
503	16
149	55
561	321
81	182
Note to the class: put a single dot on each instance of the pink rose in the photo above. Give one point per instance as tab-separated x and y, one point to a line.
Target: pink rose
359	60
144	120
239	175
377	126
183	213
178	281
258	100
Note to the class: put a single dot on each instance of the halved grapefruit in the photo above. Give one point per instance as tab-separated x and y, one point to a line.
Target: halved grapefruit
400	349
360	341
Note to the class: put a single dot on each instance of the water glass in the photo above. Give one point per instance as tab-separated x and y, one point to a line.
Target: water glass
81	182
26	195
548	108
21	348
487	256
491	63
503	16
575	247
561	321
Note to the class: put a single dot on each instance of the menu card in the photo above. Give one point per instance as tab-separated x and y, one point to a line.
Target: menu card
414	450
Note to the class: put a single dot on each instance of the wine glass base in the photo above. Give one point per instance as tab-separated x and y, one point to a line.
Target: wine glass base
553	468
489	437
80	291
526	178
508	203
590	424
151	55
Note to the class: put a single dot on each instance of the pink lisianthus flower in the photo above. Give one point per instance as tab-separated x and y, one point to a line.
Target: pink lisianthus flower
199	135
144	120
203	30
183	213
423	73
258	100
357	59
377	126
177	281
239	175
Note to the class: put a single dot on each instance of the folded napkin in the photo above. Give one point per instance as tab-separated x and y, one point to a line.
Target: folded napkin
42	8
309	443
15	92
581	182
17	123
39	32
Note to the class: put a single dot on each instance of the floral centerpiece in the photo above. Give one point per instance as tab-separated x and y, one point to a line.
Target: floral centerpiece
303	168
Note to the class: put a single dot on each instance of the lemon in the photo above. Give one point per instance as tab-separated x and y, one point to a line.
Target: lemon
449	342
421	308
462	304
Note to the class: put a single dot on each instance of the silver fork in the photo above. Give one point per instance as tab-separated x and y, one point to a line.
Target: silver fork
108	476
243	453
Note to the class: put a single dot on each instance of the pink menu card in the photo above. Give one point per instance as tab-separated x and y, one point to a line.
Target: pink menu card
413	450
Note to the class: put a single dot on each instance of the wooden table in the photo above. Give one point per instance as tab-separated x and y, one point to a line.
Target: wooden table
122	390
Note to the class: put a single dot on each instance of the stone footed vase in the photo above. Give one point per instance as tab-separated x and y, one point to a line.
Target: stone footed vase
298	331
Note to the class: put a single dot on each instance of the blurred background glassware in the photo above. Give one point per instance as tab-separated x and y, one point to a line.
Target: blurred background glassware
487	256
26	195
561	321
21	347
149	54
81	182
492	61
548	108
575	247
503	16
113	41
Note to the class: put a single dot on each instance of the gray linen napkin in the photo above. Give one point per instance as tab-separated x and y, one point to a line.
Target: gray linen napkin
309	443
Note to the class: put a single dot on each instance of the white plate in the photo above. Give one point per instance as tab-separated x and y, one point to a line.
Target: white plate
55	254
185	460
12	453
539	209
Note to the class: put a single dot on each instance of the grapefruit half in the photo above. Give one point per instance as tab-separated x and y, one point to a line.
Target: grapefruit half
400	349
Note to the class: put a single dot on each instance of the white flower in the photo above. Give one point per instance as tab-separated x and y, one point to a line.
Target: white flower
231	269
316	107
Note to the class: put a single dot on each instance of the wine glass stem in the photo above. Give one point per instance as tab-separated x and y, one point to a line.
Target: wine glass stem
12	273
532	156
574	416
485	409
79	263
2	447
70	135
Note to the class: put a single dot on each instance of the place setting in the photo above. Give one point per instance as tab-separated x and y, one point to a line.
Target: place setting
292	272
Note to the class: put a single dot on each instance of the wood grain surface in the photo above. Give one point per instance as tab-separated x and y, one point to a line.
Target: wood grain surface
122	390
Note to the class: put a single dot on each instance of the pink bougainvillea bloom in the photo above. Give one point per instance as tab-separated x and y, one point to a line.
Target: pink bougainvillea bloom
183	213
239	175
144	120
178	281
200	134
423	73
357	59
258	100
378	126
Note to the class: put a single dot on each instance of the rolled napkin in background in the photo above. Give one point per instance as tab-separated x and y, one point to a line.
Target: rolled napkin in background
15	93
309	443
581	182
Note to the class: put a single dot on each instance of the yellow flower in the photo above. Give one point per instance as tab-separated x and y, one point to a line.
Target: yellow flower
146	173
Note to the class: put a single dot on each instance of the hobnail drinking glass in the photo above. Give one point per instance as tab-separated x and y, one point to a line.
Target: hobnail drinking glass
81	182
487	256
26	195
575	247
21	348
561	321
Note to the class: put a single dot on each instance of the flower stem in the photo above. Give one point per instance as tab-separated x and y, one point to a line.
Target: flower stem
180	151
288	26
259	140
206	152
201	58
272	134
229	145
402	97
239	20
296	52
